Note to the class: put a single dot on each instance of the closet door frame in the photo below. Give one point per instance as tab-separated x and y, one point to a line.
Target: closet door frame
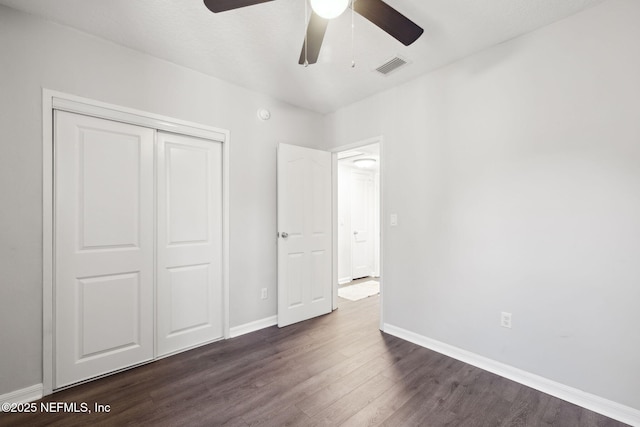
54	100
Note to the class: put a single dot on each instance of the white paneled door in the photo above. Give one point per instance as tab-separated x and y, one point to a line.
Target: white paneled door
362	216
304	234
189	242
138	245
104	244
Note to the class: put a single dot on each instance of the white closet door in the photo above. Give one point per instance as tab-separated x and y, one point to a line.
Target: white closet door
189	266
103	246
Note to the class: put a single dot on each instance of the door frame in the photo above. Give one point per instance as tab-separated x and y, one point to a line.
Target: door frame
334	160
54	100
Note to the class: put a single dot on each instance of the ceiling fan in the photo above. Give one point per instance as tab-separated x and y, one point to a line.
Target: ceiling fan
377	11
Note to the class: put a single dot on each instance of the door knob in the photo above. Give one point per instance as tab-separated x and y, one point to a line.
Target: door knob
355	232
284	234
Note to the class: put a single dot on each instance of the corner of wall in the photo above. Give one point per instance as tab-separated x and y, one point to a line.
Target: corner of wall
578	397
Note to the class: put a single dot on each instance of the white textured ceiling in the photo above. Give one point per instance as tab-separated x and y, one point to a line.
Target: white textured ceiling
257	47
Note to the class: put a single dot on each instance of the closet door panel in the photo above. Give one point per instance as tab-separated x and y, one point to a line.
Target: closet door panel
189	266
104	246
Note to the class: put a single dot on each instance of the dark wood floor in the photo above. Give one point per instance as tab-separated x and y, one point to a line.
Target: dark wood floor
338	369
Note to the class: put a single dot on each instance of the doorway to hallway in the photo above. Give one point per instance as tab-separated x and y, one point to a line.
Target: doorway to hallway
358	221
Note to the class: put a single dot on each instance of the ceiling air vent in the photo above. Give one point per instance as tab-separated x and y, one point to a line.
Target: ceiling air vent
391	65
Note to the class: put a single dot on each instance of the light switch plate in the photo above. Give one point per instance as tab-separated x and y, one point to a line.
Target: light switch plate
505	319
393	220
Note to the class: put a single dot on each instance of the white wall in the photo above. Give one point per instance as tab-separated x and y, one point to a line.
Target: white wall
516	177
36	54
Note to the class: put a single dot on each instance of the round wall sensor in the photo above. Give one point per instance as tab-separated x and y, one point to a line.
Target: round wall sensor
264	114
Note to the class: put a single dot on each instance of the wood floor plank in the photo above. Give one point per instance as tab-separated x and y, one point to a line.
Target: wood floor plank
333	370
411	412
415	379
316	383
337	389
288	415
342	409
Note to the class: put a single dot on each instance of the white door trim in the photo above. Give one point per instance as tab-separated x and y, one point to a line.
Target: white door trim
334	158
54	100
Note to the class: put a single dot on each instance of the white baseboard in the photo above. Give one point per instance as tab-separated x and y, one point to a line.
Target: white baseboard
28	394
236	331
344	280
578	397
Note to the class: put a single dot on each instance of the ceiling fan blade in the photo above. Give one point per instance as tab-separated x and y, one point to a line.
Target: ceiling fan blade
390	20
216	6
315	34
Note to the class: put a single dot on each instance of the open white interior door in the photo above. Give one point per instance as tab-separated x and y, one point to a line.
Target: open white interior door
304	234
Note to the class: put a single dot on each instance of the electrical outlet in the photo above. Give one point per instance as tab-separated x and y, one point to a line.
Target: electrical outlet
505	320
264	293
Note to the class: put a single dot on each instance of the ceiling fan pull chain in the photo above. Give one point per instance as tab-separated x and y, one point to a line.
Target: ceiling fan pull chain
306	31
353	30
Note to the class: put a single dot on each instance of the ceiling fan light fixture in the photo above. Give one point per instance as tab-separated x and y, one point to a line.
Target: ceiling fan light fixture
329	9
